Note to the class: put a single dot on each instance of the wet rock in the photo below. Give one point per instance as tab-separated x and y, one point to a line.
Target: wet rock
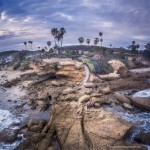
36	128
43	105
38	137
122	98
127	106
143	138
8	135
32	122
84	98
143	103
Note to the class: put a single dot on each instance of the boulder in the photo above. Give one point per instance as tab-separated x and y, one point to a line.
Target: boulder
127	106
122	98
36	128
118	67
94	79
8	135
32	122
68	91
55	83
106	90
89	85
84	98
143	138
96	94
43	105
140	102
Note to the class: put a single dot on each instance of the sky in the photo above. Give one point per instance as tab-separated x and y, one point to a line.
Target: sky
121	21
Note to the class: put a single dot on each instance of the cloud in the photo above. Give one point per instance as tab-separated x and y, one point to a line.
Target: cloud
121	21
63	15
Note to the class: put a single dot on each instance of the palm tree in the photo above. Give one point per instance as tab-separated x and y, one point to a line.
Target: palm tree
133	42
62	31
88	41
101	40
147	46
30	43
96	40
39	47
25	44
81	40
49	44
54	32
45	48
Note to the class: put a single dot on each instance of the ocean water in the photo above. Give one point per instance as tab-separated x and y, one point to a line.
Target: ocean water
140	119
144	93
6	119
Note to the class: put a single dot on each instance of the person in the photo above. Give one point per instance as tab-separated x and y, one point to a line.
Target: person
90	104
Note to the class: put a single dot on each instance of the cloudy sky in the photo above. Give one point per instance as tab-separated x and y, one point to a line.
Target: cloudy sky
121	21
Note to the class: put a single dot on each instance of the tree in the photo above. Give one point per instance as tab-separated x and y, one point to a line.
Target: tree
110	45
101	40
45	48
81	40
134	47
58	35
30	43
49	44
54	32
39	47
25	44
88	41
147	46
96	40
62	31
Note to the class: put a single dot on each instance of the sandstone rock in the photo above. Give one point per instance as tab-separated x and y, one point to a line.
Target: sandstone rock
32	122
51	148
122	98
36	128
95	100
96	94
96	130
71	97
37	137
55	83
94	79
118	67
71	70
106	90
84	98
68	91
43	105
86	91
143	103
128	106
89	85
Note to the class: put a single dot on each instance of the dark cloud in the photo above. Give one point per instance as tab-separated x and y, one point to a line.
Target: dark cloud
121	20
7	35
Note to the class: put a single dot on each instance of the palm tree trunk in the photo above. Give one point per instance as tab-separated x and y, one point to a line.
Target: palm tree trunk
61	42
